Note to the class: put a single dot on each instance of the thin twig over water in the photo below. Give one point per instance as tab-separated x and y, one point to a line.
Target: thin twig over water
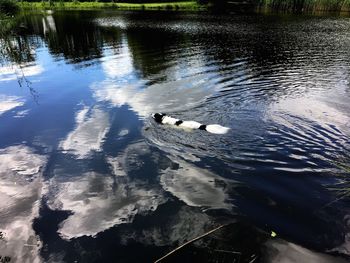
189	242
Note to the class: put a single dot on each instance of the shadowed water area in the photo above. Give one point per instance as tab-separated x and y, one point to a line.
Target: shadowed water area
87	176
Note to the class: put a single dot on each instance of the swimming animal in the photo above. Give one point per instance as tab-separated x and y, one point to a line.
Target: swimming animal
212	128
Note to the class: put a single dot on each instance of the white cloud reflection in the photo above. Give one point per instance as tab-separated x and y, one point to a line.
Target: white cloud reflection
21	188
13	72
280	251
315	110
9	102
99	201
195	186
129	159
92	126
184	91
155	98
117	65
181	226
21	114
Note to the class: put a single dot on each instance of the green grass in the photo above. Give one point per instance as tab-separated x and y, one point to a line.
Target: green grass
123	6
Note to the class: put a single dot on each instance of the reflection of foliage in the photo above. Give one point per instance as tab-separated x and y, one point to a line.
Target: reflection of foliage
17	49
150	49
75	38
23	81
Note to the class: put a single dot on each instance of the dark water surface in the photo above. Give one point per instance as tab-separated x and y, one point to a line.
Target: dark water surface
87	176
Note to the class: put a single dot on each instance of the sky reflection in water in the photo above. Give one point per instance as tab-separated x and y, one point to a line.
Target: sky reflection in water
86	175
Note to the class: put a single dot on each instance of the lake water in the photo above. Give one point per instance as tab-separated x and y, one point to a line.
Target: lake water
87	176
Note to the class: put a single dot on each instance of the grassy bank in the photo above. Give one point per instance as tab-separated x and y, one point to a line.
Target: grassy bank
122	6
305	5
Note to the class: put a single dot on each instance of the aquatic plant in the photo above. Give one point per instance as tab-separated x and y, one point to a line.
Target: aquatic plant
342	189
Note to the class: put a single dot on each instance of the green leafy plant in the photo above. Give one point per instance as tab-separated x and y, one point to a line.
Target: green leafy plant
8	7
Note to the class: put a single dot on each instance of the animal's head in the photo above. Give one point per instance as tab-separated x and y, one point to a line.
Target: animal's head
158	117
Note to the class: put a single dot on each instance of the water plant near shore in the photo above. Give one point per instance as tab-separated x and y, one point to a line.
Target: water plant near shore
343	189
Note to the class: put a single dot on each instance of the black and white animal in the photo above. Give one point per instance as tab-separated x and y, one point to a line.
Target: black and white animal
212	128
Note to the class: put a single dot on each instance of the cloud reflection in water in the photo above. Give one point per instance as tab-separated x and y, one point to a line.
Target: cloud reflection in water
168	97
92	126
184	90
100	201
9	102
117	65
8	73
21	189
280	251
181	226
195	186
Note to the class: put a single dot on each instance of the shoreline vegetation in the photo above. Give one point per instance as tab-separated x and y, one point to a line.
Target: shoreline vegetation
75	5
285	6
304	6
9	8
8	11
